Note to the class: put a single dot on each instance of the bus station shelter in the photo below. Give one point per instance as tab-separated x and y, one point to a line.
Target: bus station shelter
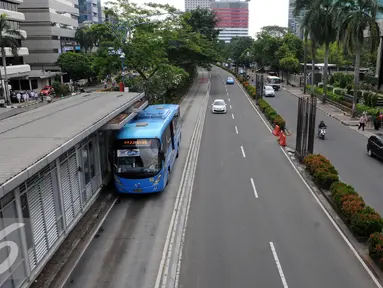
53	163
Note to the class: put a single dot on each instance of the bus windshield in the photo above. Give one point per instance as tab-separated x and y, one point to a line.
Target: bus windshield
137	158
275	80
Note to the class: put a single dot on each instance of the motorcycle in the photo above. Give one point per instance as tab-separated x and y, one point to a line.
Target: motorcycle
49	99
322	133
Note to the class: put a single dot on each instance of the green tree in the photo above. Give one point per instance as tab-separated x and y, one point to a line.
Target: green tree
171	48
85	38
8	39
357	17
336	55
275	31
77	65
104	64
203	21
290	64
237	47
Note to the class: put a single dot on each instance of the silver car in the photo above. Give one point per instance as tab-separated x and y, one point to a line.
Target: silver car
218	106
268	91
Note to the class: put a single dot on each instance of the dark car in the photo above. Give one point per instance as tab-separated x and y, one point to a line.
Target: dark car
375	145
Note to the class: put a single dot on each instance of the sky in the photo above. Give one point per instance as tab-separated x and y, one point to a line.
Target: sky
261	12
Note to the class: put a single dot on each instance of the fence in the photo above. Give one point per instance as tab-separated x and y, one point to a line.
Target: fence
305	126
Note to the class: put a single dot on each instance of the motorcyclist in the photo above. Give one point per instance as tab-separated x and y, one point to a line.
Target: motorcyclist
322	125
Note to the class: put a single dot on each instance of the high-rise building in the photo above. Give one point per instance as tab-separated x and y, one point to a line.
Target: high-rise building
90	10
294	23
16	66
51	26
233	18
194	4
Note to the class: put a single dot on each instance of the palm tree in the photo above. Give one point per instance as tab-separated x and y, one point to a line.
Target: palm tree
325	16
358	16
310	30
8	39
84	37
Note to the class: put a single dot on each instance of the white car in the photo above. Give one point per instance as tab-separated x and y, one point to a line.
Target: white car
219	106
268	91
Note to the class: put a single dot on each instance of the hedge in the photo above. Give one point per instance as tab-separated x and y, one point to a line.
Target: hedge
362	220
271	114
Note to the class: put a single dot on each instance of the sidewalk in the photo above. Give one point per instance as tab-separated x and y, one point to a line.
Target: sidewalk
334	112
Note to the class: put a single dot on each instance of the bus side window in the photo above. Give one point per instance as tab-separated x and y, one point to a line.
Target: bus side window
164	143
176	120
168	136
172	133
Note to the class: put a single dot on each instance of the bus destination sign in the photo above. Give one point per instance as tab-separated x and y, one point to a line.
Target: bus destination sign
138	142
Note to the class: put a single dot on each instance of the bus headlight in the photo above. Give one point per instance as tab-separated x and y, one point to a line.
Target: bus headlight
157	180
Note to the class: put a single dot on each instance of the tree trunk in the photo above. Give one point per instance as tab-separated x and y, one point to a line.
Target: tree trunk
356	77
305	67
7	98
325	72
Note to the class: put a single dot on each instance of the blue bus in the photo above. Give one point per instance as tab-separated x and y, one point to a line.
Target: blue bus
145	150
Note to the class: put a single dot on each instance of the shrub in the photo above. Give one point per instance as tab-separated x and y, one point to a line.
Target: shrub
317	161
278	120
367	222
337	91
339	190
262	104
268	111
343	82
349	88
375	246
332	80
324	179
352	204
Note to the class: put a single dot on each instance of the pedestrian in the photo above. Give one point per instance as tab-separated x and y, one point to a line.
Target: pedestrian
362	121
370	120
25	97
18	96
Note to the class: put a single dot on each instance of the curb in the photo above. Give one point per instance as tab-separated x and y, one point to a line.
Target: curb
22	106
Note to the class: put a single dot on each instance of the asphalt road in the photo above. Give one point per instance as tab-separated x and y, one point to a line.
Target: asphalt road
231	225
345	148
127	253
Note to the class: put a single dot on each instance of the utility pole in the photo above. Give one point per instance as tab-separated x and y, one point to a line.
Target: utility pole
305	67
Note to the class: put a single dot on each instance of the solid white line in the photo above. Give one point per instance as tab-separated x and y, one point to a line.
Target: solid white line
243	152
169	240
254	189
231	107
236	129
368	270
278	265
232	116
229	99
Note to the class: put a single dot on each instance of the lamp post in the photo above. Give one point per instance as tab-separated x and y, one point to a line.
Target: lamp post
122	58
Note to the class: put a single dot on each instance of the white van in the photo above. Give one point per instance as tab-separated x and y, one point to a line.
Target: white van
274	82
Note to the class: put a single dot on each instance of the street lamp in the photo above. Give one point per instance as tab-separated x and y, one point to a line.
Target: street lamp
122	58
